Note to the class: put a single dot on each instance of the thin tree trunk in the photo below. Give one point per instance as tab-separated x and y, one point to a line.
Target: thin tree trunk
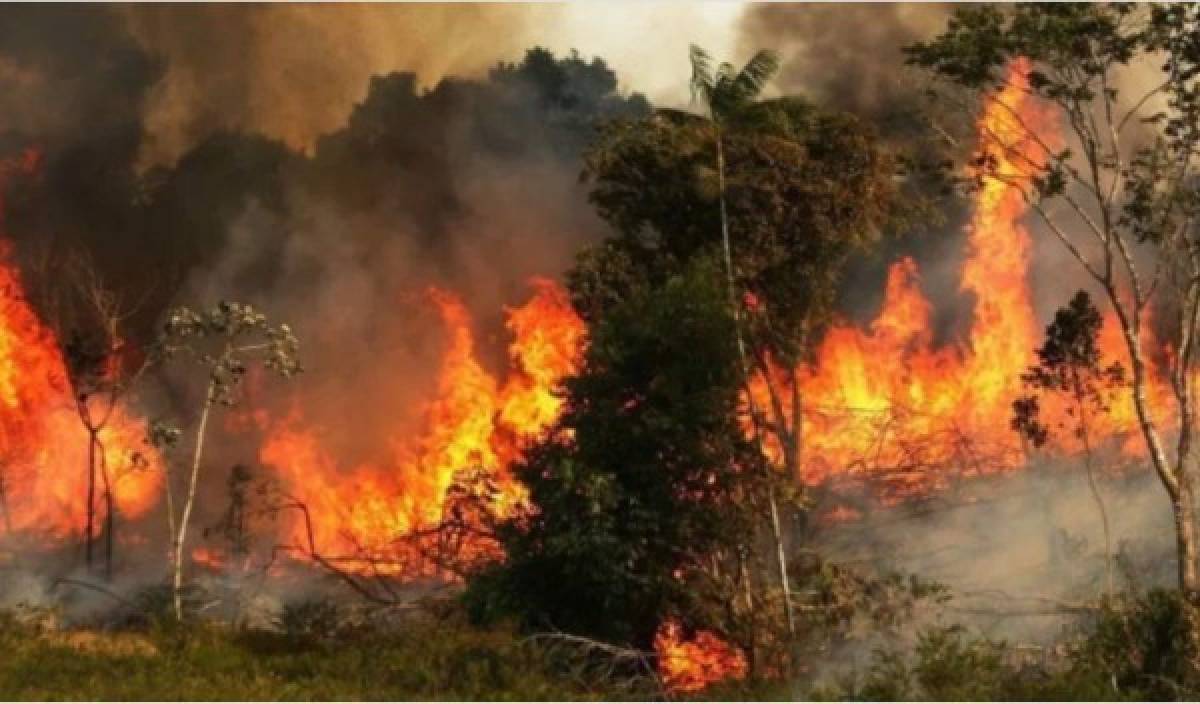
1174	478
728	252
170	515
776	533
1184	510
1091	477
189	501
784	582
89	527
110	524
4	502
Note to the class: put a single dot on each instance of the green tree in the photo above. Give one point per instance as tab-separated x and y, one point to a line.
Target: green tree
795	191
803	190
222	340
639	489
1069	365
1127	192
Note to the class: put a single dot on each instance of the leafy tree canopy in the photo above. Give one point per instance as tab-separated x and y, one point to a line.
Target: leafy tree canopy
637	486
804	190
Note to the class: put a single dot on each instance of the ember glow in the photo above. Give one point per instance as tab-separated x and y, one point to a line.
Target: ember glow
691	664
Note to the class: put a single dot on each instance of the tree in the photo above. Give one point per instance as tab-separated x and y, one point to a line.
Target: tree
640	489
92	322
800	188
223	340
101	372
1069	364
725	94
1128	192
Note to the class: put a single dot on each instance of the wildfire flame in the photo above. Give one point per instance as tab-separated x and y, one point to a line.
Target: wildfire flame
885	399
43	444
690	665
474	422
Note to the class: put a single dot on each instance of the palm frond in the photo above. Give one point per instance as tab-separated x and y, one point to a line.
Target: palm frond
723	101
727	90
750	81
702	76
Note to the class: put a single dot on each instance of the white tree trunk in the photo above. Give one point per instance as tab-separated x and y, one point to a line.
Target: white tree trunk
776	533
189	501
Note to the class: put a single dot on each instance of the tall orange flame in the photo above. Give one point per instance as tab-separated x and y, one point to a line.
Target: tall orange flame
885	398
473	422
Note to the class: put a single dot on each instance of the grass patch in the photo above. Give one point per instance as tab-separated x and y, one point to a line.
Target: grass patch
429	661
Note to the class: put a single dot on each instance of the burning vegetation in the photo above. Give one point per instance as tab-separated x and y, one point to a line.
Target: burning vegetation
634	464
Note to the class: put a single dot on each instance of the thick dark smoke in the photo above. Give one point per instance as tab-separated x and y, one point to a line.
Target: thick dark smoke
295	71
463	174
850	57
845	56
73	87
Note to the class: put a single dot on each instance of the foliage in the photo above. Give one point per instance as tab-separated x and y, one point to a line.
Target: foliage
843	608
574	94
728	92
314	618
1133	649
228	324
804	190
1143	648
222	340
1068	363
235	524
636	489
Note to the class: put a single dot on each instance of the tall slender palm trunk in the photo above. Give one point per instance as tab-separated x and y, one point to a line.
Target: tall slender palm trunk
776	530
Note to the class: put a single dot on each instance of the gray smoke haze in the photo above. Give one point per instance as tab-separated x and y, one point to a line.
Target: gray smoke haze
1022	554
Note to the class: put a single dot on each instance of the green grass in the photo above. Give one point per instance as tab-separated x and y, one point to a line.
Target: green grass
429	662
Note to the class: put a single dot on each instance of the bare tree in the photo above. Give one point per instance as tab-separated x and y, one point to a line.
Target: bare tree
91	320
223	341
101	371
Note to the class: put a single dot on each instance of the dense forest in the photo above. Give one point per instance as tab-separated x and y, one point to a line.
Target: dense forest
521	384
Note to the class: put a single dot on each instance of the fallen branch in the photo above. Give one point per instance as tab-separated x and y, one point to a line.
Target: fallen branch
96	588
615	655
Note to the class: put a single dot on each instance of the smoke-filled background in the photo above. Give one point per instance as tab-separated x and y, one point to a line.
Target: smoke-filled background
328	163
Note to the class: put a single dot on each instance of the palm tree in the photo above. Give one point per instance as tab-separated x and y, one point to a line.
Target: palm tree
727	94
